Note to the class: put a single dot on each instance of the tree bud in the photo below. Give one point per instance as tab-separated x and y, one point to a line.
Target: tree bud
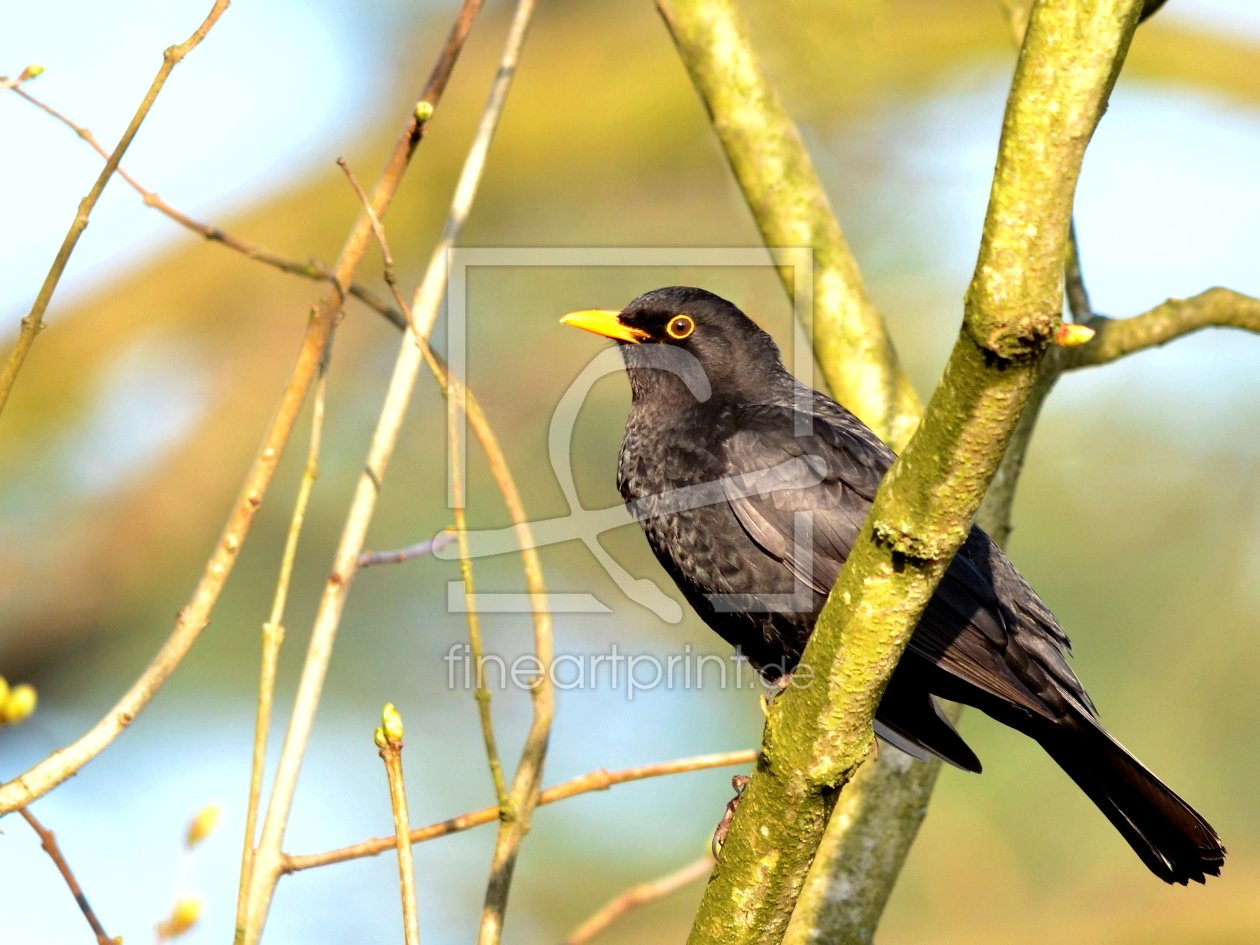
183	917
392	724
1072	335
204	823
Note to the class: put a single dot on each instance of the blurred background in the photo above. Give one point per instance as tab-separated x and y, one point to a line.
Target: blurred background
140	407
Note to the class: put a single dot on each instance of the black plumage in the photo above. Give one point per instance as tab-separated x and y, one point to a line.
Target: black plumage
776	480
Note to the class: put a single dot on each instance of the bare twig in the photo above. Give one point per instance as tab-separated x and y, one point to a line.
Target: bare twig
378	231
640	895
454	407
1074	280
25	75
389	739
273	631
418	550
194	616
49	843
600	780
33	323
310	270
268	862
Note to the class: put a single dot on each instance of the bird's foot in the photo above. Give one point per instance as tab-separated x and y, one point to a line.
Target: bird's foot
738	782
775	689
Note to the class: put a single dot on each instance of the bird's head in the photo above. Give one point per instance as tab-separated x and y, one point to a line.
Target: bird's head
734	354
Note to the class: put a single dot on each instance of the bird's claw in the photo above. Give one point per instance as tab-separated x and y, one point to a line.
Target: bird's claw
738	782
776	689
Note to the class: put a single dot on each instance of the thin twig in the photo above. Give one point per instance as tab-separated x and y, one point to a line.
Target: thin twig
481	692
389	739
25	75
526	783
418	550
640	895
268	861
1074	280
273	631
49	843
194	616
378	231
33	323
310	270
600	780
515	814
454	407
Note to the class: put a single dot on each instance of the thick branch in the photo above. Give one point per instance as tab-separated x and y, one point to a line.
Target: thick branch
33	323
817	736
787	199
862	851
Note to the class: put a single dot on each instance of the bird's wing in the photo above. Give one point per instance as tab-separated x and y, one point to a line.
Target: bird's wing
781	462
984	625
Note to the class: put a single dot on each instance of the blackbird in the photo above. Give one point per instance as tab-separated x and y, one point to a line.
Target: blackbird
751	489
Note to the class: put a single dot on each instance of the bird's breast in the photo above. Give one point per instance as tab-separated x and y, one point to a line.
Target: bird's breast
673	486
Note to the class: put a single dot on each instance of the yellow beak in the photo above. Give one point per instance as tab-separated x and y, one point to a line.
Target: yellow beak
604	322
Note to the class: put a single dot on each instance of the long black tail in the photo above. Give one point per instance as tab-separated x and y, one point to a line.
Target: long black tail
1167	833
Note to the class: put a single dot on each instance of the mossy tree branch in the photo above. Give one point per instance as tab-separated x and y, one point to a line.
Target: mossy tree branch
791	208
817	736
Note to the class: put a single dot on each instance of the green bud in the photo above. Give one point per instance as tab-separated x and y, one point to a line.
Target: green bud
30	72
392	724
424	111
379	737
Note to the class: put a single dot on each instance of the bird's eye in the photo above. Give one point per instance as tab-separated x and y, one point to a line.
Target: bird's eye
680	327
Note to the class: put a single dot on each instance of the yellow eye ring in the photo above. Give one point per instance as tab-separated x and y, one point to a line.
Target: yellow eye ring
680	327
